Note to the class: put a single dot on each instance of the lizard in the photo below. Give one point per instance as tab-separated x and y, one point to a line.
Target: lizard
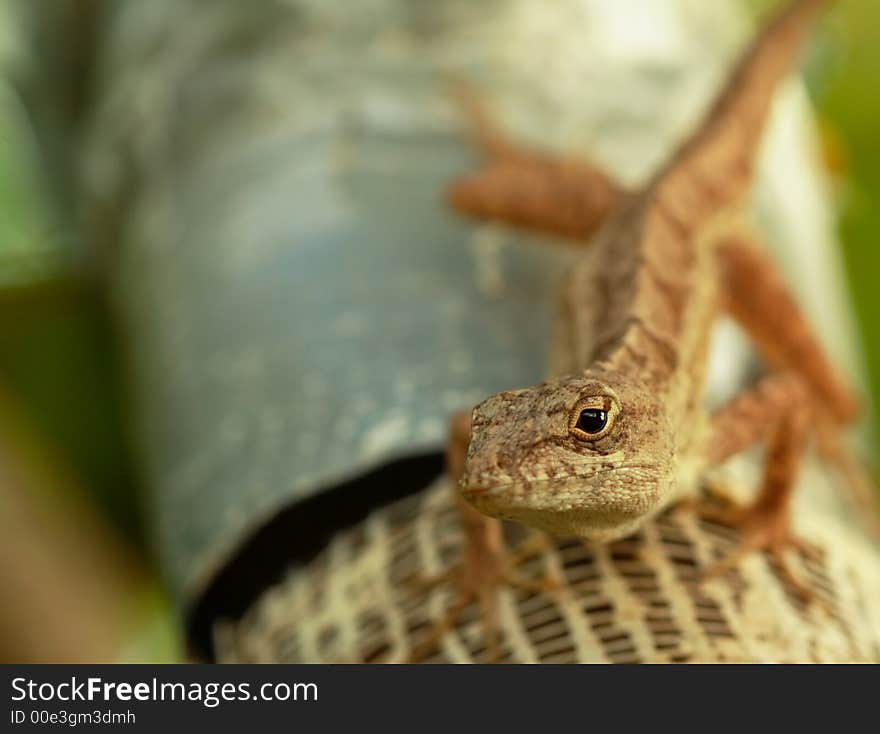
618	431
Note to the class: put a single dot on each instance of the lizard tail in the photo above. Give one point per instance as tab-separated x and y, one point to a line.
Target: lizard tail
720	156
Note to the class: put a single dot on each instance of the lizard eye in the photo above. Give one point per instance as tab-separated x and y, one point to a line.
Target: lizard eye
592	418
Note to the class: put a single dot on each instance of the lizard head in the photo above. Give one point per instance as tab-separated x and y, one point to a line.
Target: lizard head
589	456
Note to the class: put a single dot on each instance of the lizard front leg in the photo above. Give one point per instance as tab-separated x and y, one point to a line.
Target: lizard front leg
757	297
486	565
806	395
777	410
564	196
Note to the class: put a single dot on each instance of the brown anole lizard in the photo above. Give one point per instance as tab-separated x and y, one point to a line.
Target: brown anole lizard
619	430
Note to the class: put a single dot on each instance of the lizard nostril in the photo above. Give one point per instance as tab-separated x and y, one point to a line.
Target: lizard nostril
503	461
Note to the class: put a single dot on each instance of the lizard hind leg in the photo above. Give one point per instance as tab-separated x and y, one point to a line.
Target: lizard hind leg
765	523
486	566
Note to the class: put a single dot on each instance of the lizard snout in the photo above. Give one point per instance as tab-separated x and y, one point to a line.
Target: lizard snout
490	471
505	462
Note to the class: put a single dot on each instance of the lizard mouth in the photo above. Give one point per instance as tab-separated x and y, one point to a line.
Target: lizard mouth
602	505
503	486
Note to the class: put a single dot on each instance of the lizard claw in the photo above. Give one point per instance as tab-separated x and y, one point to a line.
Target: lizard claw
480	583
762	528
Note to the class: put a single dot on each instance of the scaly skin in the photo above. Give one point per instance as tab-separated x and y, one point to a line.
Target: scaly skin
633	334
632	339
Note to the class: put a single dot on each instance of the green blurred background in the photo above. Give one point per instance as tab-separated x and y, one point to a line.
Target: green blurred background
64	432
